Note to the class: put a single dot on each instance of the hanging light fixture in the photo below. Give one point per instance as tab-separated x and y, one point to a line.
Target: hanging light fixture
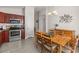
49	13
53	13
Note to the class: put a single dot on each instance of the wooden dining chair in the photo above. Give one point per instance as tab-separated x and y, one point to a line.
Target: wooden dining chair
48	46
39	40
71	47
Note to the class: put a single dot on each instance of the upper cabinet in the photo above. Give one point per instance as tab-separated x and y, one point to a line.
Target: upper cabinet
5	17
13	16
2	16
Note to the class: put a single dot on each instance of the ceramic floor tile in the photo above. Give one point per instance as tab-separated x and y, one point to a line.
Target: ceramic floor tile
23	46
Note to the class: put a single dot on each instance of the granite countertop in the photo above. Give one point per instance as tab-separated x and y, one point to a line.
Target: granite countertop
3	30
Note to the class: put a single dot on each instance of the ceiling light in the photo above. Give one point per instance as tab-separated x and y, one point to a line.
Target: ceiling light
54	13
49	13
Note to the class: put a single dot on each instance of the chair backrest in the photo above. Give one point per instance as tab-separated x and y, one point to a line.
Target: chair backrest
74	43
46	38
63	31
68	33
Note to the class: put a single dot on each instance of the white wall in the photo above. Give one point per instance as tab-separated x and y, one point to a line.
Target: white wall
73	11
42	20
12	10
40	15
36	19
29	22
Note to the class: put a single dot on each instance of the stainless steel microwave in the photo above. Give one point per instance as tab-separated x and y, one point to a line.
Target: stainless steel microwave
15	21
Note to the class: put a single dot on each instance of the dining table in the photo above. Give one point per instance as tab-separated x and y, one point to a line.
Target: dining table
61	41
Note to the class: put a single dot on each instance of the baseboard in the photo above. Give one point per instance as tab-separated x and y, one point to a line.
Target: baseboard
29	37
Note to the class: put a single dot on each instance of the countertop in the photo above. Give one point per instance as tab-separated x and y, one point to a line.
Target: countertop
4	30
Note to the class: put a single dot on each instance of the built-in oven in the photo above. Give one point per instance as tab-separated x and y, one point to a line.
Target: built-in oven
15	35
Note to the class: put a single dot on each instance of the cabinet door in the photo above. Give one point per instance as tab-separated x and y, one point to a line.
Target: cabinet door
22	34
3	36
7	36
2	17
0	38
7	18
13	16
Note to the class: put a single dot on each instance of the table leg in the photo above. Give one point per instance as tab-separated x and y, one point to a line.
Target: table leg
60	49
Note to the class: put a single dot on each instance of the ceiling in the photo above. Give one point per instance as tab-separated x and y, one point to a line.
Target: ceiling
20	7
40	8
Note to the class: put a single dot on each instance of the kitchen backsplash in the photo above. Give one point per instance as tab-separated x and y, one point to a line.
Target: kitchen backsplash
4	25
7	26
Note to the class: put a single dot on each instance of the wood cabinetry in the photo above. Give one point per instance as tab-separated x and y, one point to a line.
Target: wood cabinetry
13	16
0	38
22	34
5	36
2	17
5	18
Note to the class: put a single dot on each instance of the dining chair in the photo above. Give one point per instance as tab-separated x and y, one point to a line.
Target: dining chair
48	46
71	47
38	42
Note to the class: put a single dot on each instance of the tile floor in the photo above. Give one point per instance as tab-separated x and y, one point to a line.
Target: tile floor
23	46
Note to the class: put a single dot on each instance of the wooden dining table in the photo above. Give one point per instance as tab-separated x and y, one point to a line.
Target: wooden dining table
61	41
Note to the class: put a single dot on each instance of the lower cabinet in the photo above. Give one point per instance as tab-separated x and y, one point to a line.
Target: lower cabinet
5	36
22	34
0	38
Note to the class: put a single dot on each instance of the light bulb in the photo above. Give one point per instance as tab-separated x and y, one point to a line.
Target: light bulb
49	13
54	13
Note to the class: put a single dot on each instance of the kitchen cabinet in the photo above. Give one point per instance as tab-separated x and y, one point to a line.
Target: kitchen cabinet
13	16
22	34
7	17
2	17
5	36
0	38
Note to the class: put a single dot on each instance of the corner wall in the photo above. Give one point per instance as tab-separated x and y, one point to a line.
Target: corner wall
29	22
